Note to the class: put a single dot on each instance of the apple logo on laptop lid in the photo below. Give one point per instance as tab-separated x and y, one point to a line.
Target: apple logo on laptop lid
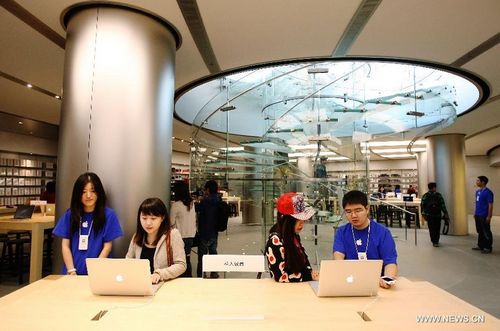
119	278
350	279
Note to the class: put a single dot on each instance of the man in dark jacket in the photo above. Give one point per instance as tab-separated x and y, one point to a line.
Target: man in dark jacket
433	209
207	225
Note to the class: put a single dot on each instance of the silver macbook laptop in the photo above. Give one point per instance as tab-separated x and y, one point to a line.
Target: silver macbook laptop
348	278
120	277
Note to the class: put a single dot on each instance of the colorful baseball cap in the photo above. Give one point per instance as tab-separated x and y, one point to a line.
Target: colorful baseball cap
293	204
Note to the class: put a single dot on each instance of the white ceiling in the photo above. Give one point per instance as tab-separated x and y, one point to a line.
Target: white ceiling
245	32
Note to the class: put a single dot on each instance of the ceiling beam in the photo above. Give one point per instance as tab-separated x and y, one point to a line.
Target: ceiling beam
194	21
17	10
25	84
476	51
355	26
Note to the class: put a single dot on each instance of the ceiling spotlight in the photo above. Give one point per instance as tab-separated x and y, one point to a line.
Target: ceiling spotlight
57	97
317	71
227	108
29	85
415	113
20	123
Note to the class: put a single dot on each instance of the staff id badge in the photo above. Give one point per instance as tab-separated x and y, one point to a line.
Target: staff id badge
83	242
362	256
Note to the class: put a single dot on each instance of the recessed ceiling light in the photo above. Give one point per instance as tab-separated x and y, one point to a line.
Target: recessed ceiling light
20	123
399	155
29	85
397	150
57	97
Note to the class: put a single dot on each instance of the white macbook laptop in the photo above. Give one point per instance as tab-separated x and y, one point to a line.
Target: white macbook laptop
50	209
348	278
120	277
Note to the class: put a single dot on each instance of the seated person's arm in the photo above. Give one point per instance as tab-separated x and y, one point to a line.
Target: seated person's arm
106	249
390	270
389	255
131	249
338	256
68	256
178	255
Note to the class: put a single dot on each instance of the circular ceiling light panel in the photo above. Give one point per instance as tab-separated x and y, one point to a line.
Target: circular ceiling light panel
331	99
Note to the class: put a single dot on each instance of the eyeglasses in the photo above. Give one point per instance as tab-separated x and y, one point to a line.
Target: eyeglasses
356	211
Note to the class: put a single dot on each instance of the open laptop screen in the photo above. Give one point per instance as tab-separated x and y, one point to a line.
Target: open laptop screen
109	276
24	211
348	278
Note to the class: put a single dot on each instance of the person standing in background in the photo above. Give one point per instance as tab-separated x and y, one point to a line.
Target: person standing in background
482	216
433	209
411	190
207	225
183	217
49	194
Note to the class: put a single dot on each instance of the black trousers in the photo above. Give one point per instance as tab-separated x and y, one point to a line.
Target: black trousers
485	237
434	224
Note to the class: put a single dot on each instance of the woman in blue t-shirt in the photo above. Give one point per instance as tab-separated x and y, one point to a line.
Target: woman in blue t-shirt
88	227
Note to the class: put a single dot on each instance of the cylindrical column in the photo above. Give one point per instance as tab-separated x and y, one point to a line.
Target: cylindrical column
305	167
116	117
448	166
253	192
422	171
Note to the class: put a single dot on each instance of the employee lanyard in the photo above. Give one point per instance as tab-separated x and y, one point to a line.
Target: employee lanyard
362	255
83	240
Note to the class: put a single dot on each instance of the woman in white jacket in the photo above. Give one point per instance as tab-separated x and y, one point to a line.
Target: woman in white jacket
156	241
183	218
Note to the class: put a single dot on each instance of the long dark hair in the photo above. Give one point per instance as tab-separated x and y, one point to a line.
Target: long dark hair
154	207
76	202
181	193
285	227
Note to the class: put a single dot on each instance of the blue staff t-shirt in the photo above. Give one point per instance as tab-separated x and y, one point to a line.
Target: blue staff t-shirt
380	247
110	231
484	197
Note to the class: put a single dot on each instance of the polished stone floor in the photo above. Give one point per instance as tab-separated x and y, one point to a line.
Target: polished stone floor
454	267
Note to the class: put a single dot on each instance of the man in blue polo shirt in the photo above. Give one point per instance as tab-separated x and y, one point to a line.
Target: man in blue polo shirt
363	239
482	216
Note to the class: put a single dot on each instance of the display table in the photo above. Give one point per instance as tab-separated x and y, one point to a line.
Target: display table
56	302
401	204
36	225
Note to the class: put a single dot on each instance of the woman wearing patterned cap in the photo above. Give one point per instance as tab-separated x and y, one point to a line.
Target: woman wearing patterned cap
286	256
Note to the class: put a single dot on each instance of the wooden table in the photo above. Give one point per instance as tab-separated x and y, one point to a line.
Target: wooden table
36	225
401	204
65	302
